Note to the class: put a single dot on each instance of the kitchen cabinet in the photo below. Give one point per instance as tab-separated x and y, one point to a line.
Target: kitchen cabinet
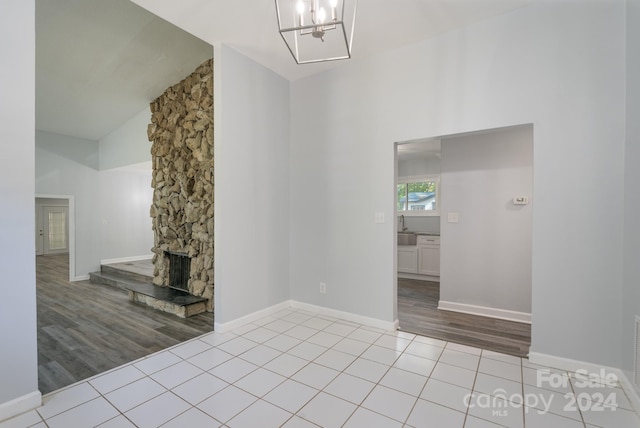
428	255
408	258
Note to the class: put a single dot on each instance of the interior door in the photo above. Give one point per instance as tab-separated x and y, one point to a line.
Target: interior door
55	230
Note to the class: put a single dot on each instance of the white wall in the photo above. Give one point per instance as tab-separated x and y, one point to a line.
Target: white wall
125	223
251	146
558	65
631	295
125	190
566	77
485	259
58	174
429	224
105	201
127	144
79	151
18	358
413	167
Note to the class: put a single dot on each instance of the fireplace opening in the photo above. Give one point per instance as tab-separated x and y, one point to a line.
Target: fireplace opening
179	270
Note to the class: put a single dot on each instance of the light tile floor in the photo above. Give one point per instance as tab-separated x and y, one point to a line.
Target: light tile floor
298	369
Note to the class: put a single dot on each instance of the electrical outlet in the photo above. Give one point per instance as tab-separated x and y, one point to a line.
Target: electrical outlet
323	288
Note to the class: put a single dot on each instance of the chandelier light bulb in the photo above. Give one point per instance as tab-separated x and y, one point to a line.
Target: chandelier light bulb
334	13
322	15
300	9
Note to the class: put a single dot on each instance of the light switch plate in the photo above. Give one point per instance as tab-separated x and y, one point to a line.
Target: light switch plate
453	217
379	218
521	200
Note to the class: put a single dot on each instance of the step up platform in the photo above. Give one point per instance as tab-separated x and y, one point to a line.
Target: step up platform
141	289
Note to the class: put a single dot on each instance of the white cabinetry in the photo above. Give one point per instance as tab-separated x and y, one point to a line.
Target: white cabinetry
407	258
429	255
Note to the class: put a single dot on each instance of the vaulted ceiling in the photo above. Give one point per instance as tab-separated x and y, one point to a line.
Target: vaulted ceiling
99	62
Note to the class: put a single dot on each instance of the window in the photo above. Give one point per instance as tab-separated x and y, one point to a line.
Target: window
57	231
418	196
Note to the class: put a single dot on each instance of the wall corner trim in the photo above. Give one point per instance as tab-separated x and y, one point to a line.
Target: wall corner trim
571	366
20	405
396	324
485	311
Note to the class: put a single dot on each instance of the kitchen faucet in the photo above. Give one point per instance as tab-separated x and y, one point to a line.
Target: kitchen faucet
402	221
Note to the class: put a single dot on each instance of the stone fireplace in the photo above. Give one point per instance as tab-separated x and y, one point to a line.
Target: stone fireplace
181	131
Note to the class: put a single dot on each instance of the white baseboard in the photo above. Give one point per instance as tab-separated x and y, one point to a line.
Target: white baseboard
347	316
418	277
239	322
571	366
126	259
484	311
396	325
20	405
321	310
81	278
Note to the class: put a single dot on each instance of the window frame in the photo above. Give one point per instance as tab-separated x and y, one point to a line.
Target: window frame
419	179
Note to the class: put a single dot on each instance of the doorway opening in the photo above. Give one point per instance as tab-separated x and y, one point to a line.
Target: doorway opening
84	328
55	227
463	257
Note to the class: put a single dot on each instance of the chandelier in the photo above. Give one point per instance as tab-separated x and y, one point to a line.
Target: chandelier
317	30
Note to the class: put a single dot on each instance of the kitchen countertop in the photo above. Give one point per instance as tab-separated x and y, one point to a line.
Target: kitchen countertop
421	233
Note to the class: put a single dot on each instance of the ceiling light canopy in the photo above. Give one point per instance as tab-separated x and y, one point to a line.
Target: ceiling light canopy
317	30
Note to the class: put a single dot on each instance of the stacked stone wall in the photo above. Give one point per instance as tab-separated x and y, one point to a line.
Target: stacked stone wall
181	132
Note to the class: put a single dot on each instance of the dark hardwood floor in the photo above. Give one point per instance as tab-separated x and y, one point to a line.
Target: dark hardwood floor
85	329
418	313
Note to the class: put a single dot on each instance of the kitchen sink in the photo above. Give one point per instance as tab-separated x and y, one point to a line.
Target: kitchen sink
407	238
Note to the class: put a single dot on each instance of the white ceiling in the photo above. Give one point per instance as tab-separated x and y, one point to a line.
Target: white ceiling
250	26
100	62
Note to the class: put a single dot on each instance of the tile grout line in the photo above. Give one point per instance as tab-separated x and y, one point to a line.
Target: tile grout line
425	384
475	378
524	411
309	360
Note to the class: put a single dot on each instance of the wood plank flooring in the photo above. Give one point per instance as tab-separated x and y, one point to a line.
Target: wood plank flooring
418	313
85	329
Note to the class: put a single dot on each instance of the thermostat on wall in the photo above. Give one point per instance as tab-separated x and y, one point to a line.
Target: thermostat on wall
521	200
